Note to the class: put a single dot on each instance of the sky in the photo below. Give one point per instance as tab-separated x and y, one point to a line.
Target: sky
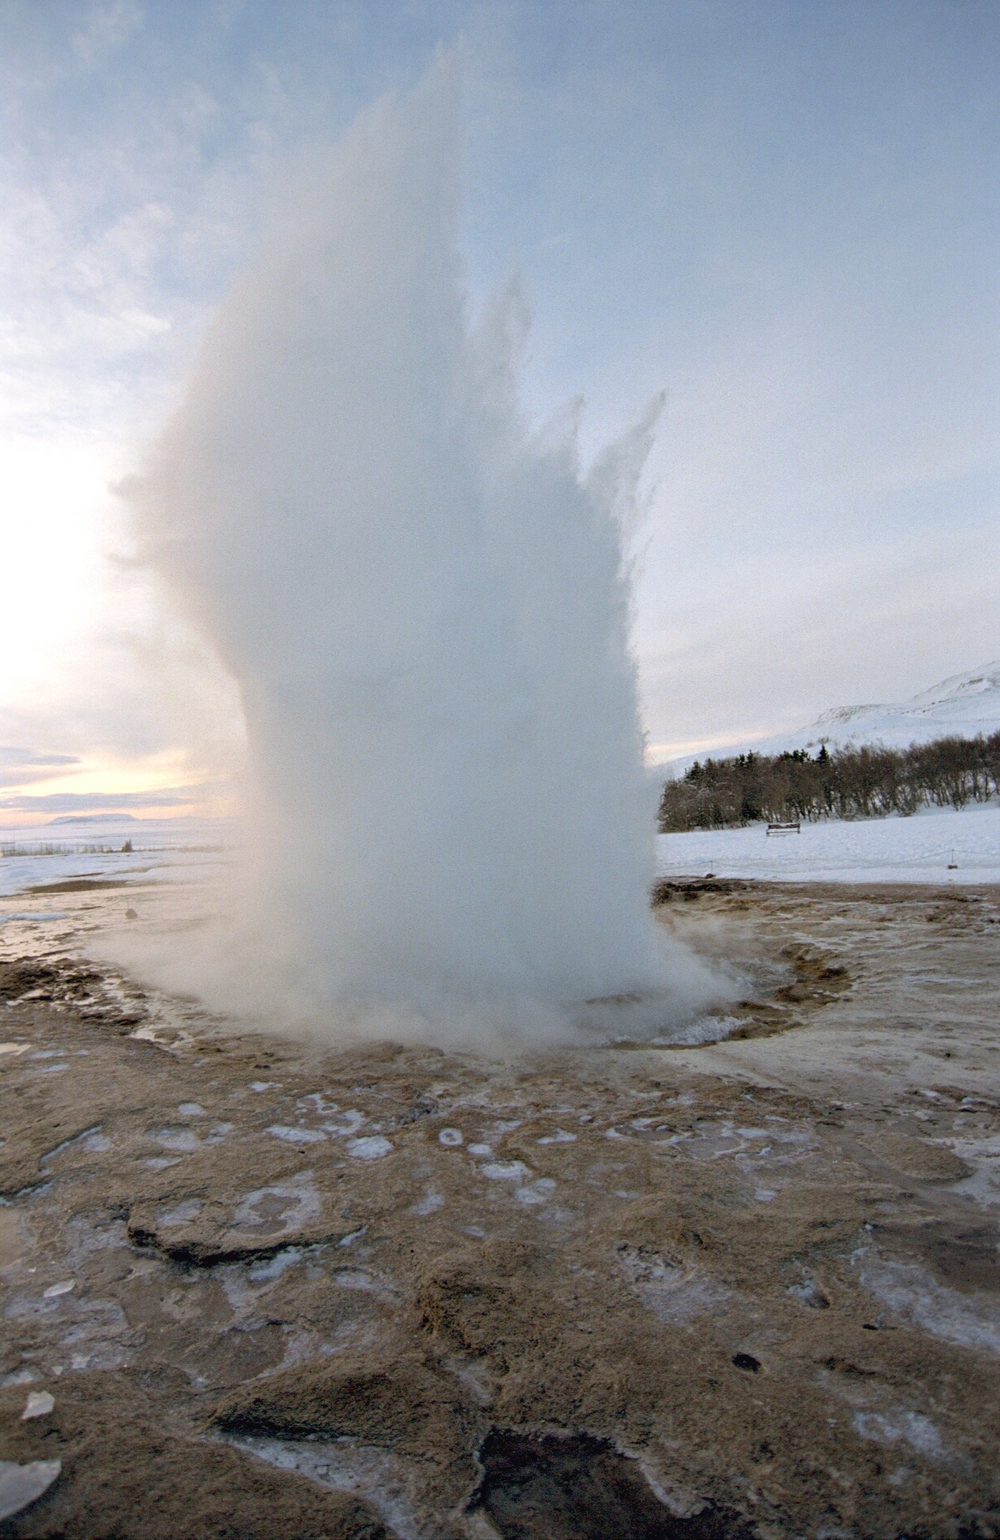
783	214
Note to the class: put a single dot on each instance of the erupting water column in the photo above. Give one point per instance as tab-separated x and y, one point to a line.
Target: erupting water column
426	611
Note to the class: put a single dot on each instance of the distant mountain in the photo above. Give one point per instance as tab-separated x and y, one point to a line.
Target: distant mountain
962	706
93	818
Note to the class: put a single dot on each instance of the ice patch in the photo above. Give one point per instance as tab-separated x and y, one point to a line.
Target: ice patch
38	1404
428	1205
536	1192
450	1136
480	1149
24	1484
274	1267
181	1139
347	1466
282	1206
917	1430
372	1148
182	1214
296	1135
506	1171
348	1123
673	1291
316	1100
191	1110
352	1278
559	1137
913	1294
983	1155
808	1292
67	1144
55	1289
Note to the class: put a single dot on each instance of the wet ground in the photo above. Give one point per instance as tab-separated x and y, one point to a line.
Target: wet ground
748	1289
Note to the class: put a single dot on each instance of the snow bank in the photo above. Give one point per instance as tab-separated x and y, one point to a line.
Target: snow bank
919	849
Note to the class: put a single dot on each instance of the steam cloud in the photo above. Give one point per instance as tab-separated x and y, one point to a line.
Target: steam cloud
425	609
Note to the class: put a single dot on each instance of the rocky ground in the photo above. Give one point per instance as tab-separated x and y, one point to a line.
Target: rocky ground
254	1289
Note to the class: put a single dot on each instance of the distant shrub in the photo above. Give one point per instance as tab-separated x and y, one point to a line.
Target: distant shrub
869	782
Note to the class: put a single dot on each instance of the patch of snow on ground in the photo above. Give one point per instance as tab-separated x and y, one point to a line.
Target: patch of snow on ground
164	849
973	1322
918	849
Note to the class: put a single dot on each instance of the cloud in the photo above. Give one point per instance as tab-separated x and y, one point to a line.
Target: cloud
13	757
108	25
76	802
795	234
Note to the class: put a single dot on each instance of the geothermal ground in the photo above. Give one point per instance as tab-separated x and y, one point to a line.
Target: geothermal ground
261	1290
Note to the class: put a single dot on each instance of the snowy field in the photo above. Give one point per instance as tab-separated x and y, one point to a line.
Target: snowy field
918	849
163	850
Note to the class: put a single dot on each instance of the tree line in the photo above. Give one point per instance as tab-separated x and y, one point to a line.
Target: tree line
868	782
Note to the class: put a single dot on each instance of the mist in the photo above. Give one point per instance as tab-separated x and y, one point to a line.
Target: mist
426	610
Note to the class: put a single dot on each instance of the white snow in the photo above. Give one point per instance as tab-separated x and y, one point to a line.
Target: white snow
370	1148
39	1404
295	1135
916	1429
165	849
21	1485
54	1290
918	849
180	1140
182	1214
506	1171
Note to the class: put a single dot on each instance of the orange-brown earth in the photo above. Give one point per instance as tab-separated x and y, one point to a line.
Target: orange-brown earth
747	1289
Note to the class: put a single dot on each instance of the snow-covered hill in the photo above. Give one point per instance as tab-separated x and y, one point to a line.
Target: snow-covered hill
964	705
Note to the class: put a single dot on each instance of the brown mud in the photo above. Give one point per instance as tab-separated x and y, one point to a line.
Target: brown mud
744	1290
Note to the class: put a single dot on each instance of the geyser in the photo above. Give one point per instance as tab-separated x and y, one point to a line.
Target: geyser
425	608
